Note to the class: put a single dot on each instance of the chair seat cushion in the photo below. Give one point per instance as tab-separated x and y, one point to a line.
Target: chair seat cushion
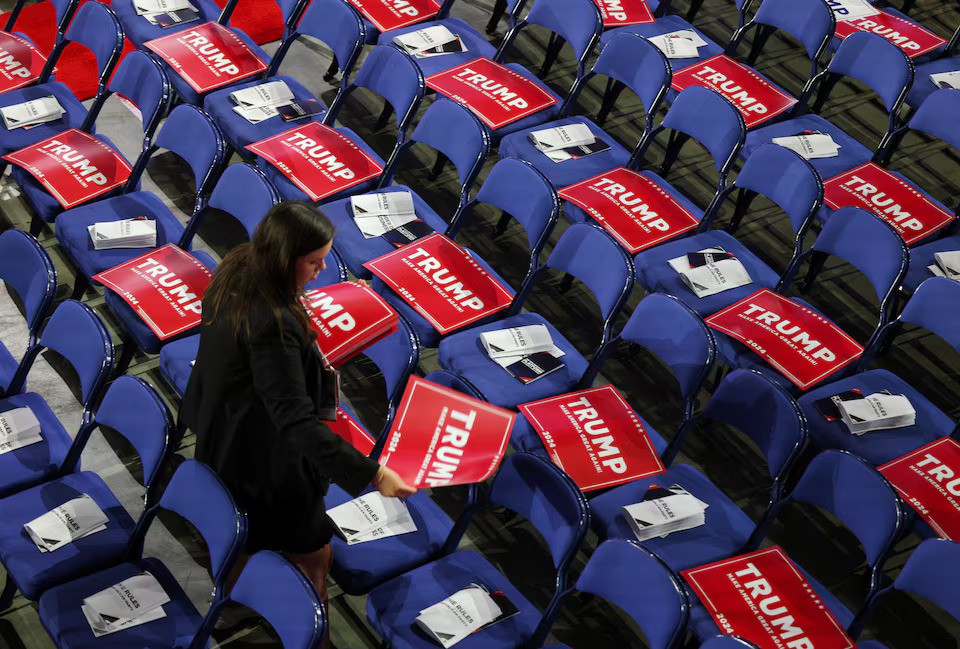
463	354
73	236
34	571
358	568
576	214
879	446
239	131
175	360
852	153
724	533
665	25
74	114
35	463
474	44
655	274
392	607
354	248
524	437
140	30
922	257
568	172
922	86
62	618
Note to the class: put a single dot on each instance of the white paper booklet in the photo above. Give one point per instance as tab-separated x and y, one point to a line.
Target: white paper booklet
847	10
372	516
517	341
682	44
29	113
256	115
70	521
562	137
453	619
815	145
432	38
274	93
878	411
125	233
712	277
947	79
18	427
381	212
130	603
673	511
144	7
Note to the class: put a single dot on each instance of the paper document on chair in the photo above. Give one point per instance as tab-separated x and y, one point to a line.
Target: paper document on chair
273	93
562	137
130	603
516	341
453	619
18	427
256	115
138	232
376	214
370	517
432	41
69	522
678	45
710	271
877	411
810	145
852	9
31	113
948	262
946	79
664	510
144	7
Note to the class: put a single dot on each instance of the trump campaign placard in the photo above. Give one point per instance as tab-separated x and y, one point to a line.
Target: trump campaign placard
73	166
616	13
317	159
929	479
442	282
496	94
595	436
873	188
910	37
756	98
762	597
387	15
20	61
638	212
350	430
164	286
803	345
207	56
443	437
348	317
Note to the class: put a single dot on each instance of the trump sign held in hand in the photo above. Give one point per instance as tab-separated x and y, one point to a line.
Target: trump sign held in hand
348	317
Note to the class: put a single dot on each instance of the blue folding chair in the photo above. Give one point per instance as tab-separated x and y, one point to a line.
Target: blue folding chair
774	172
948	61
280	593
584	252
525	485
850	490
630	61
141	80
189	134
926	309
637	582
194	493
75	332
132	408
867	58
335	24
467	151
521	193
667	328
26	267
767	415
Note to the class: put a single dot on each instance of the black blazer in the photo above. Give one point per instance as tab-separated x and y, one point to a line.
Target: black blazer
253	402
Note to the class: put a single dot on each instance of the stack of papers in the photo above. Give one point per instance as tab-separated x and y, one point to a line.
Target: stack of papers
463	613
70	521
18	427
946	79
948	264
370	517
139	232
31	113
682	44
877	411
710	271
261	101
130	603
567	142
528	353
847	10
167	12
663	511
432	41
810	145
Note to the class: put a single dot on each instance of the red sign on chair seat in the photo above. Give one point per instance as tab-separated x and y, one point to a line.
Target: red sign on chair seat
73	166
595	436
443	437
624	12
348	317
387	15
20	61
164	286
910	37
496	94
638	212
352	432
803	345
756	98
929	479
318	159
762	597
442	282
207	56
897	202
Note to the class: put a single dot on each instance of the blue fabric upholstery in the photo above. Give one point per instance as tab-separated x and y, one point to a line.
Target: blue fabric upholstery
140	78
190	134
808	21
38	462
937	114
927	311
665	25
175	361
638	64
876	62
922	86
710	119
474	44
931	572
140	30
244	192
77	333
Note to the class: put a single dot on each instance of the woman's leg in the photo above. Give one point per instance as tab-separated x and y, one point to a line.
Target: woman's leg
316	565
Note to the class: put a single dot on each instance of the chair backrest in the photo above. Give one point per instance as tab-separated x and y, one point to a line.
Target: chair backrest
811	22
282	595
933	572
140	78
191	134
396	356
63	9
633	578
577	21
938	116
26	266
97	27
875	61
245	193
710	119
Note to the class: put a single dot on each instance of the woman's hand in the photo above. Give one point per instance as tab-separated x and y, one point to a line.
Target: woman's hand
389	483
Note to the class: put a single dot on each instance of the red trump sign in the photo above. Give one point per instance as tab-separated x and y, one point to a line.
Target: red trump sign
347	427
929	479
348	317
20	62
624	12
387	15
910	37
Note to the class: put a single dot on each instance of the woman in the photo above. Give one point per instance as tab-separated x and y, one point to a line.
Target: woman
258	387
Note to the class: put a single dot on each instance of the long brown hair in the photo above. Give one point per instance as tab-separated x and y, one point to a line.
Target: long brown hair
265	268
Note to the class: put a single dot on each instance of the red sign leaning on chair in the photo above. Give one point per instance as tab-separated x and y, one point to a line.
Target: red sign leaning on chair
910	37
929	480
